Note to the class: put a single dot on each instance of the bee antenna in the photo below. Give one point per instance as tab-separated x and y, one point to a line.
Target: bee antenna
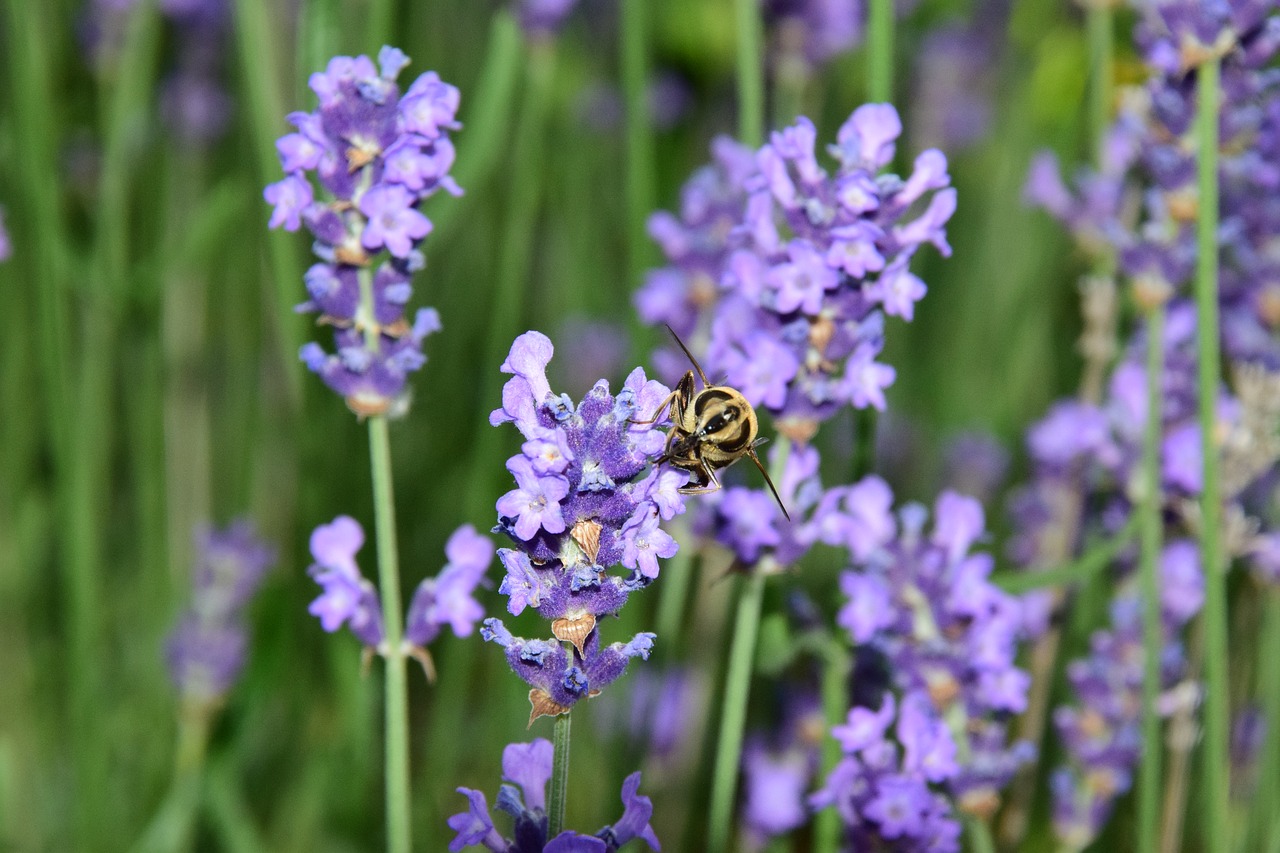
769	480
698	367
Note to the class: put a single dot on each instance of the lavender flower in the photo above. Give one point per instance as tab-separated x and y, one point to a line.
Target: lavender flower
347	597
948	638
582	504
811	264
377	154
206	651
1089	458
1102	735
526	770
1141	203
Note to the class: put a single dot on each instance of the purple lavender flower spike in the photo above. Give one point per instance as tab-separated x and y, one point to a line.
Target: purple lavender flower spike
6	247
526	770
588	497
447	599
922	602
207	650
376	157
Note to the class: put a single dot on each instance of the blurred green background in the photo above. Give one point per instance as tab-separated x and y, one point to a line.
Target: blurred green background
149	379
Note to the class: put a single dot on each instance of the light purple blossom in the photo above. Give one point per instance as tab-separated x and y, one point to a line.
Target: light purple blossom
535	504
376	156
392	222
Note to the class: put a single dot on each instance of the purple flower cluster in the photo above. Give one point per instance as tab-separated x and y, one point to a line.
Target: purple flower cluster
349	598
1086	456
582	504
948	638
526	770
378	154
1095	451
1102	734
206	651
1149	156
749	522
806	268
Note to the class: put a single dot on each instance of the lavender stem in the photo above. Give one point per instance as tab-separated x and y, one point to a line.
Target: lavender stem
737	688
1151	525
1217	829
558	795
397	693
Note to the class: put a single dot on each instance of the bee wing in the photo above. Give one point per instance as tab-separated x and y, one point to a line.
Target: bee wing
698	367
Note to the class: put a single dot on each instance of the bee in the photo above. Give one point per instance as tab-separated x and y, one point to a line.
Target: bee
710	429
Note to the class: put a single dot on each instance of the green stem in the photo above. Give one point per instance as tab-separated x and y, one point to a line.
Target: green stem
880	52
737	689
1266	803
260	65
1100	51
639	153
1081	569
397	693
835	704
558	796
504	313
980	840
1151	525
381	15
674	589
1216	709
733	716
750	73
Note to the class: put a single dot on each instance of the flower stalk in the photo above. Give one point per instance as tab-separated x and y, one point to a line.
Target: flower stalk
1209	371
1152	534
880	52
397	691
639	151
558	795
737	689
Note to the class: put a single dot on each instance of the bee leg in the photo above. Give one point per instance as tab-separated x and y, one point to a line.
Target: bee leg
657	416
706	482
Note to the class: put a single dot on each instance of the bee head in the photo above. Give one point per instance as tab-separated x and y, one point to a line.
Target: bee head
724	419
